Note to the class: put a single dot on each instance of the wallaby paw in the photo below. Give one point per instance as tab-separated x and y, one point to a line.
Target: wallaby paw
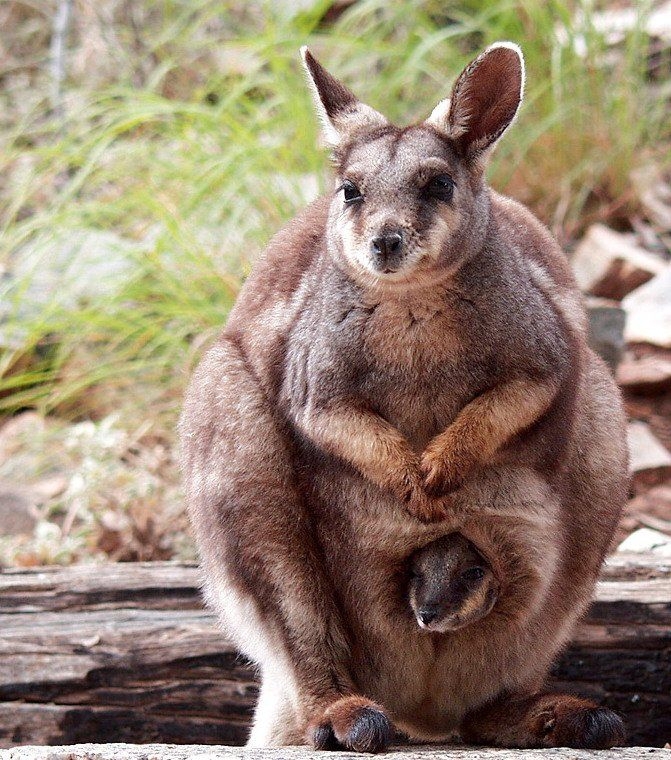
440	476
411	493
582	725
353	723
322	737
427	509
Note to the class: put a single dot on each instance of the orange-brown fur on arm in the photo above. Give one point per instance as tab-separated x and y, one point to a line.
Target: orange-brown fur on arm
481	429
373	447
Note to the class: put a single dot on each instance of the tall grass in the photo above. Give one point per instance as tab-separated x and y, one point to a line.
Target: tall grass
189	134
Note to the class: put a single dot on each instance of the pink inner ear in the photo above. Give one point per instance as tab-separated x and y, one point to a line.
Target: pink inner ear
485	98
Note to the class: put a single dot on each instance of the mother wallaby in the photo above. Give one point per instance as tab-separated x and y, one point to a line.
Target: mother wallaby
408	359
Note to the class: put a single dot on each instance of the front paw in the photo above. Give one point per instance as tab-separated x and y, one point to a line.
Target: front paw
417	502
353	723
442	475
425	508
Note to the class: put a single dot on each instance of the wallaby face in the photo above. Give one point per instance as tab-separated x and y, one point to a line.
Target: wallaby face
451	584
411	203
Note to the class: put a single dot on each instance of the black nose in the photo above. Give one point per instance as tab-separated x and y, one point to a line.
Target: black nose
427	614
384	245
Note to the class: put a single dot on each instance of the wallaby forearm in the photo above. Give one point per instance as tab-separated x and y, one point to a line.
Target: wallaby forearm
374	448
482	427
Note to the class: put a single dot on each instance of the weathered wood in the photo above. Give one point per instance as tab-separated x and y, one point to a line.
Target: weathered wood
202	752
126	653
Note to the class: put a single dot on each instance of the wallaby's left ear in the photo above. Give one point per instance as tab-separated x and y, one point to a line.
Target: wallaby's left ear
485	99
341	112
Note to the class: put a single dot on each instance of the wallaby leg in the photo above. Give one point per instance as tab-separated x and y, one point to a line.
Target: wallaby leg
544	720
263	569
275	720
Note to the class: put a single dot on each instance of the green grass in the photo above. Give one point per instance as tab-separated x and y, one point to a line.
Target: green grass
198	141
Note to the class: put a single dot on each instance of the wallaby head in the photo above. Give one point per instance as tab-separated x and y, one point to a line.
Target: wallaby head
411	203
451	584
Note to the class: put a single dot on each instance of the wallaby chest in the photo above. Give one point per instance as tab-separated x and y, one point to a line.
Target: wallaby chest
414	359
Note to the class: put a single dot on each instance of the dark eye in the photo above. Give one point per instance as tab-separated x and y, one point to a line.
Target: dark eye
351	192
473	574
441	187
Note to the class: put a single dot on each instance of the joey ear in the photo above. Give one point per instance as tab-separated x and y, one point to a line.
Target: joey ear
341	112
484	101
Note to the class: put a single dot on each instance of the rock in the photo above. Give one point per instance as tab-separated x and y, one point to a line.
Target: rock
610	265
647	375
650	461
64	269
17	511
17	429
654	503
653	190
647	540
649	312
650	509
606	329
614	24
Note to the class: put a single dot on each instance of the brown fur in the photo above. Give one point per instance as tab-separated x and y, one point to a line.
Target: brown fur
349	416
544	720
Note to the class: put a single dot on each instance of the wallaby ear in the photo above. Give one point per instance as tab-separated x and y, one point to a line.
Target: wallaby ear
484	101
341	112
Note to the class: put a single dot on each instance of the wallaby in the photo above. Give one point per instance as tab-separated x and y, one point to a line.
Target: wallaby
451	584
407	360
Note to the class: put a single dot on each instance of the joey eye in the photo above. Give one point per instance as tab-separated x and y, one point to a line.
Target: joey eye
413	574
473	574
441	187
351	192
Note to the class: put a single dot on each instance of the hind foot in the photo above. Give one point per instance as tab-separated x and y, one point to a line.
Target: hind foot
544	720
580	724
353	723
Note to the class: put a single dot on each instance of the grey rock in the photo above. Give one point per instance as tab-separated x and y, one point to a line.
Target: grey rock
610	264
17	511
606	330
649	312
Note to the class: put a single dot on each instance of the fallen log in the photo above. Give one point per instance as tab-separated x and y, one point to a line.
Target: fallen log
126	653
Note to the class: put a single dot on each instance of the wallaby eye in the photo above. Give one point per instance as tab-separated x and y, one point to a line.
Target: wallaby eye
351	192
441	187
473	574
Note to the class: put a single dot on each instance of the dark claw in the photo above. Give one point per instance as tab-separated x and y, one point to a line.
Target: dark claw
590	728
323	738
370	732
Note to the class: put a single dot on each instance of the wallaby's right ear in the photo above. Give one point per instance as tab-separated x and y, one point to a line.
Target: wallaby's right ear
341	112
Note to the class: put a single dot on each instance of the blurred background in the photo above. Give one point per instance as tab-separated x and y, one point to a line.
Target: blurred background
150	148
